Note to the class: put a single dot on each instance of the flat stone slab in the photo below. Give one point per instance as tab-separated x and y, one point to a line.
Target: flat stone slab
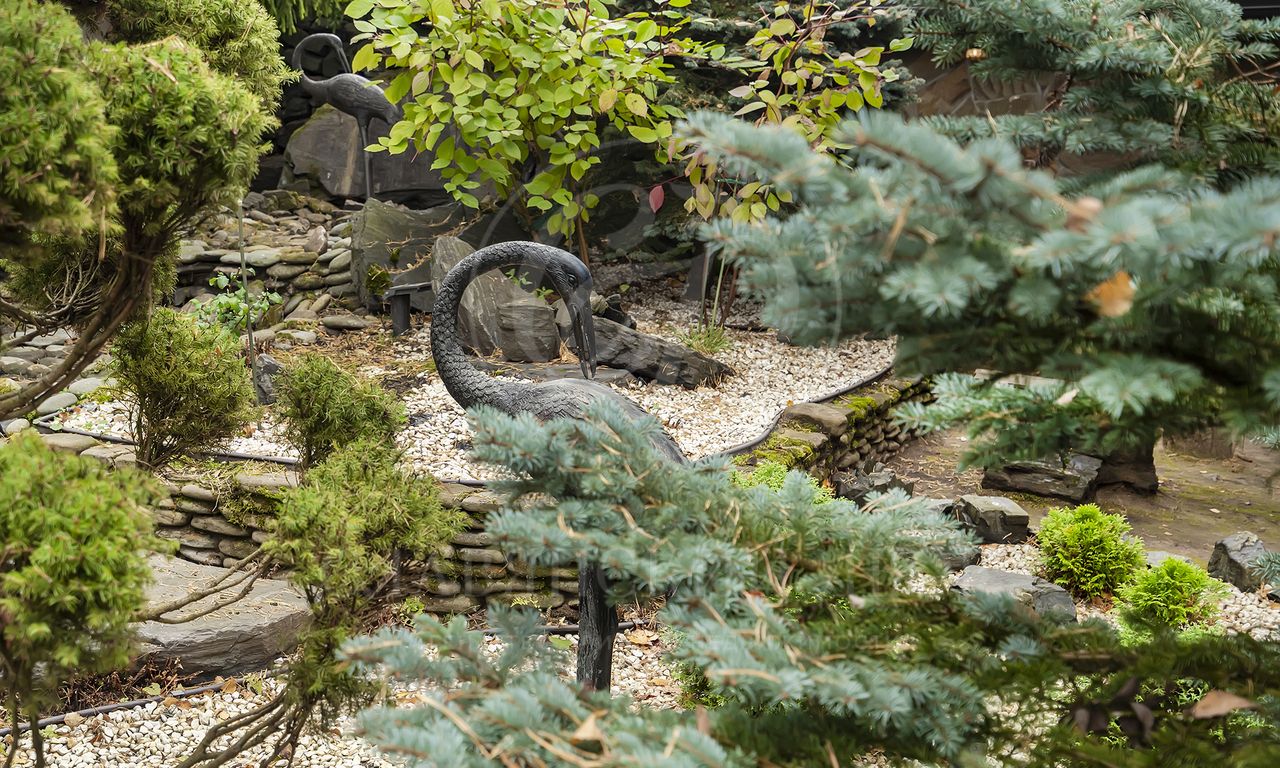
65	441
1043	597
1076	480
995	519
245	636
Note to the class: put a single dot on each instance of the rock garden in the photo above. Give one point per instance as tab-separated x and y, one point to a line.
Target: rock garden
496	382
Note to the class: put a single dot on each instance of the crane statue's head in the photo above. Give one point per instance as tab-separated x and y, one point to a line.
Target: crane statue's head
325	38
572	280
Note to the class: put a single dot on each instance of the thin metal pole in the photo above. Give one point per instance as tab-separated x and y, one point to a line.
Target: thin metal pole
244	284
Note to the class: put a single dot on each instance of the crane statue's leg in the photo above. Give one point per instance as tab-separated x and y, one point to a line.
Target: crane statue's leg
597	624
368	174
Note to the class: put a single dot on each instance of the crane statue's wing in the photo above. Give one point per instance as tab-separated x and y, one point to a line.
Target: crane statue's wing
569	398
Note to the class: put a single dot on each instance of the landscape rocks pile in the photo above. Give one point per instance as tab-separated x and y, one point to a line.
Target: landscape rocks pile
295	245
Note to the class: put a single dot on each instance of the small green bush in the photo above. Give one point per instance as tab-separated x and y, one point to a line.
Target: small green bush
772	474
1173	594
1087	550
73	545
341	534
187	387
325	408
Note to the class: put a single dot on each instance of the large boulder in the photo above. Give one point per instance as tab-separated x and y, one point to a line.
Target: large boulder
1232	561
994	519
1075	480
650	357
480	313
397	243
325	156
527	330
245	636
1043	597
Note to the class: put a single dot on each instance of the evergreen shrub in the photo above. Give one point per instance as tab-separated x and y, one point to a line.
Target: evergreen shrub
1088	551
1173	594
187	386
73	545
325	407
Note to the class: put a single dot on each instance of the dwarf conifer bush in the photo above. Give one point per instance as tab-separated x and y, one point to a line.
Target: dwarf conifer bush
1173	594
325	407
73	545
1088	551
187	387
342	534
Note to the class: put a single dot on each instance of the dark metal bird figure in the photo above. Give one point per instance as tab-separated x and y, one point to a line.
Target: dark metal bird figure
352	94
563	398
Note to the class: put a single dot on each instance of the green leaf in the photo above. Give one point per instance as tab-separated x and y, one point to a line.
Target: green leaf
647	135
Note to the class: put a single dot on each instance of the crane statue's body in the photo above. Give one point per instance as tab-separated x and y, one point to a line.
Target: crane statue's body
563	398
352	94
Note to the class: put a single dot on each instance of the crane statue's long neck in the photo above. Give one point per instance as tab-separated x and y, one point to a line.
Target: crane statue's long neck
466	383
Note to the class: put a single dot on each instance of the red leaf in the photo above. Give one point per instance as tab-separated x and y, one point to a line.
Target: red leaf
656	196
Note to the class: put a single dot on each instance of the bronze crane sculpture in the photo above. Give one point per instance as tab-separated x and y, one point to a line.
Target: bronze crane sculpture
349	93
562	398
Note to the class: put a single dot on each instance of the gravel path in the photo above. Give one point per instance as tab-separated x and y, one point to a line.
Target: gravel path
704	421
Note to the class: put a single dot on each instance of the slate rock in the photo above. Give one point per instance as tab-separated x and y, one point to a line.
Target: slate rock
326	152
30	354
344	322
308	281
1043	597
1076	480
56	403
264	378
317	241
1156	557
1232	561
286	271
653	358
1132	467
858	486
65	441
402	244
994	519
258	259
527	331
830	419
479	315
245	636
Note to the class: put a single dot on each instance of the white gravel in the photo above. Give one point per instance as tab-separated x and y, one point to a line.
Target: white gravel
1249	612
769	376
158	735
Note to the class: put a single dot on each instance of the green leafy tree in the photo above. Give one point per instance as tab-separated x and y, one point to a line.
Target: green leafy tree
181	126
795	613
517	93
72	573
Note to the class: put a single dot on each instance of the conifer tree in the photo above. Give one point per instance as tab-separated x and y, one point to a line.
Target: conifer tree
826	631
1187	83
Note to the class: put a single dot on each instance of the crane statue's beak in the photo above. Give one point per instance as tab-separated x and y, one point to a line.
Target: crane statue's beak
584	333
